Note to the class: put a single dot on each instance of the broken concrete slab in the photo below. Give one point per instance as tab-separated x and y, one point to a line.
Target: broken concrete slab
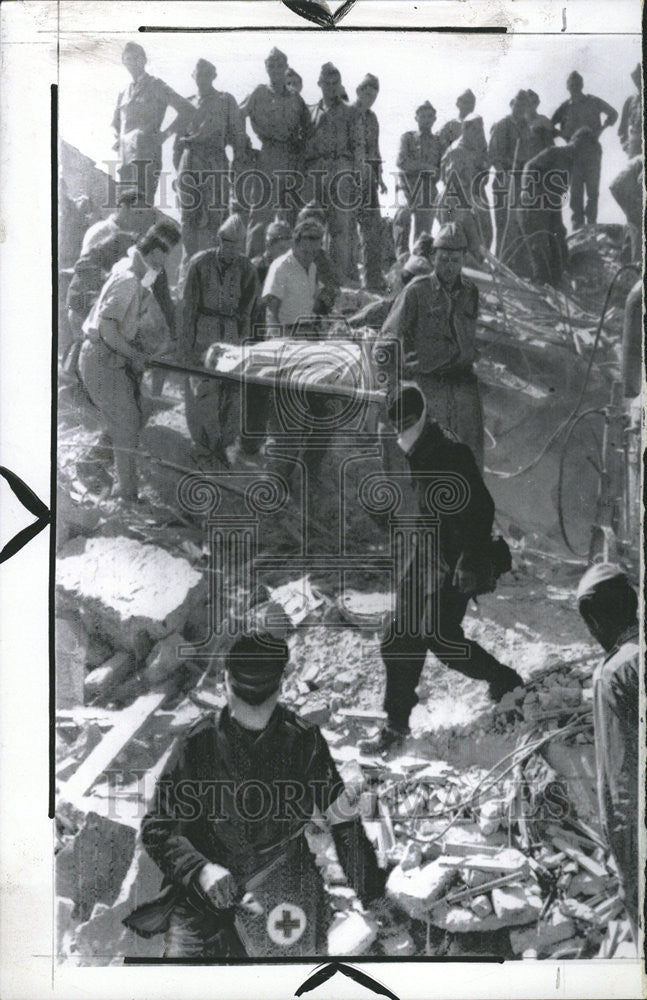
351	934
516	904
127	590
70	664
556	928
103	936
415	889
92	867
103	681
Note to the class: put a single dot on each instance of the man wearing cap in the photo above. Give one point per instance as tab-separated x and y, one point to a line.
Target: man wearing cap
439	575
508	152
418	165
627	186
630	127
137	123
113	356
218	299
289	295
544	183
129	217
293	81
328	286
609	604
368	214
452	130
464	171
332	160
200	158
279	118
434	318
278	237
541	128
227	826
584	111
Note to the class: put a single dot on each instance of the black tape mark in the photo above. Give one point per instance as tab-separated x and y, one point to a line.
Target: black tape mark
30	502
326	972
319	12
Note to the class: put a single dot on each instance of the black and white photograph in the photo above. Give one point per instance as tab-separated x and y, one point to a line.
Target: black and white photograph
340	383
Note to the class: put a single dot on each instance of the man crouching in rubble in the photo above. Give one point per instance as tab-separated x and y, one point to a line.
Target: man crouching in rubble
609	604
227	824
442	574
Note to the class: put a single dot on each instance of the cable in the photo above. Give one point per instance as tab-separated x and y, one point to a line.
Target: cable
560	478
574	412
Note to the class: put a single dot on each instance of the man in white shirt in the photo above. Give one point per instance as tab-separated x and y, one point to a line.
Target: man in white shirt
291	282
129	217
289	296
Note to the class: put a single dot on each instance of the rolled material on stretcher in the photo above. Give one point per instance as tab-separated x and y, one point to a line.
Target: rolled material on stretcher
329	367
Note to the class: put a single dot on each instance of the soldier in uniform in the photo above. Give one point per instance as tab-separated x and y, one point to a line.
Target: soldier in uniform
452	130
541	128
508	152
627	186
609	604
419	169
201	160
434	318
137	123
279	118
218	300
239	876
113	355
584	111
630	128
368	215
464	174
332	165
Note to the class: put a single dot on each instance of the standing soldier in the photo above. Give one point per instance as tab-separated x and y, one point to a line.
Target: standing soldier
544	183
608	604
627	186
201	160
579	111
464	175
368	214
279	118
219	296
541	127
137	123
332	163
440	576
630	128
112	358
508	152
419	169
451	130
434	318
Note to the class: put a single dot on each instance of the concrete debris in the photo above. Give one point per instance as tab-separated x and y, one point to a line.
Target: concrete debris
415	889
92	867
164	659
127	590
516	904
101	682
398	943
351	934
71	657
540	938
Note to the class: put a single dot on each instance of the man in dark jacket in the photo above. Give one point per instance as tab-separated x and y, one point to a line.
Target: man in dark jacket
608	604
508	150
229	817
442	570
579	111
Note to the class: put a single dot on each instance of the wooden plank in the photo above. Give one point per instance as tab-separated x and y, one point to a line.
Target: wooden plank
365	714
127	724
588	864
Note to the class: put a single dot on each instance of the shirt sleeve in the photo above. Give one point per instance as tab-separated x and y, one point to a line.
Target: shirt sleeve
275	281
117	299
558	116
606	109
